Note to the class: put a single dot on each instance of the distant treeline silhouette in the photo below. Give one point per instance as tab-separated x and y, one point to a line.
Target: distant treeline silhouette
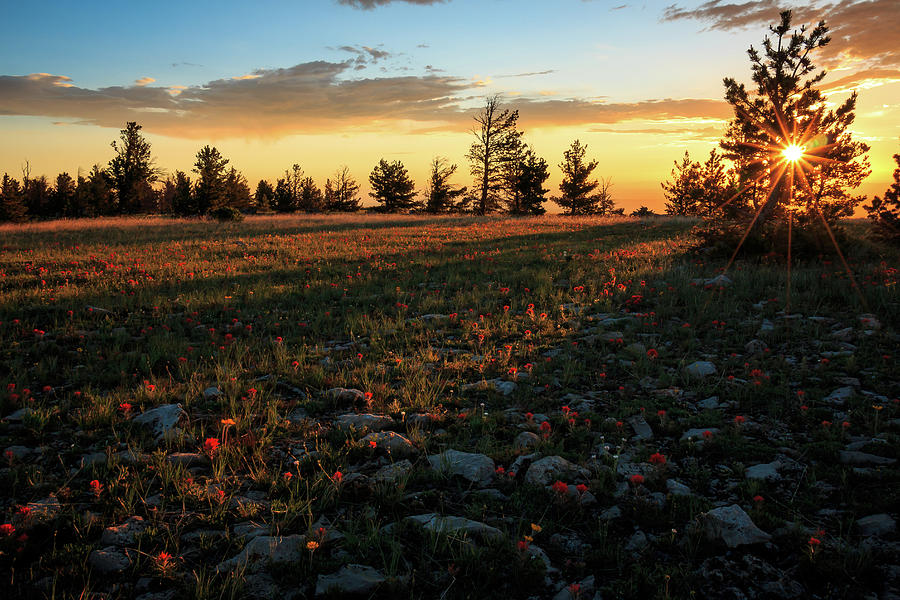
508	177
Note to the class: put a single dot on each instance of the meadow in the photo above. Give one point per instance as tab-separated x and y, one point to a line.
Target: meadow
442	407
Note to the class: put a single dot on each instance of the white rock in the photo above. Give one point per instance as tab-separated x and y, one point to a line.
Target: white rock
733	526
550	468
357	580
456	525
363	422
477	468
392	443
700	368
876	525
276	549
764	472
162	420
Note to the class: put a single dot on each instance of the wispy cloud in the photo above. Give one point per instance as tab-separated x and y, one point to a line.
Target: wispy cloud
315	97
143	81
864	32
370	4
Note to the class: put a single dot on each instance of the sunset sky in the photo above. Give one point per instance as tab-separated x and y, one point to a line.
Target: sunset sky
329	82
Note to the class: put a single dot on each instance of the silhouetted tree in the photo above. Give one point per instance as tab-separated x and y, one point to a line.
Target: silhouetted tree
209	190
95	195
62	199
643	212
496	142
341	192
12	203
530	194
311	199
698	189
392	187
440	195
36	192
580	194
264	196
885	212
237	192
288	200
787	109
131	169
184	202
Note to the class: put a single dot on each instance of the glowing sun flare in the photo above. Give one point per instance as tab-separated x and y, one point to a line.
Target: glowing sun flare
793	153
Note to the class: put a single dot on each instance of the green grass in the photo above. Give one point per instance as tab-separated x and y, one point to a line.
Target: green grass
101	321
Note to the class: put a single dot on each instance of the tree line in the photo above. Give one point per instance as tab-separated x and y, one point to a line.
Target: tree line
508	176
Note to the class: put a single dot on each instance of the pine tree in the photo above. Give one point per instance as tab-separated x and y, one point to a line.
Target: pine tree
532	173
237	192
787	110
341	192
12	203
184	202
699	190
441	195
496	143
392	187
885	212
264	195
311	199
62	199
209	190
131	170
580	194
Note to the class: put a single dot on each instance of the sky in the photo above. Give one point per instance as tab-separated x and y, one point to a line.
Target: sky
326	83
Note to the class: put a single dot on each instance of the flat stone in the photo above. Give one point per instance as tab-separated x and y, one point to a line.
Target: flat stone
476	468
764	472
356	580
550	468
109	560
765	327
839	396
345	395
393	473
641	429
211	393
676	488
700	369
718	281
710	403
124	534
273	549
876	525
21	452
852	457
363	422
456	525
392	443
755	347
733	526
525	440
162	420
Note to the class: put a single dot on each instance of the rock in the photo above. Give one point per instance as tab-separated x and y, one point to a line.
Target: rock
710	403
261	586
718	281
764	472
869	322
676	488
477	468
844	335
456	525
700	369
276	549
583	589
876	525
839	396
162	420
421	421
363	422
851	457
641	428
249	530
45	509
344	395
550	468
526	439
733	526
357	580
211	393
18	416
392	443
124	534
21	452
504	387
109	560
637	542
765	327
611	514
393	473
297	415
755	347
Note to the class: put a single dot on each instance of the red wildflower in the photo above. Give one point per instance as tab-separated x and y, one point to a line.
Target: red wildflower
545	427
636	479
560	488
7	529
96	487
211	444
740	420
652	354
657	459
707	435
581	488
522	545
757	498
338	476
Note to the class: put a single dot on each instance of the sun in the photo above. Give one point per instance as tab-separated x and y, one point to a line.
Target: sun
793	153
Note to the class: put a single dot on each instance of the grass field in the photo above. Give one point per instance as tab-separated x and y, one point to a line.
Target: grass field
327	368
